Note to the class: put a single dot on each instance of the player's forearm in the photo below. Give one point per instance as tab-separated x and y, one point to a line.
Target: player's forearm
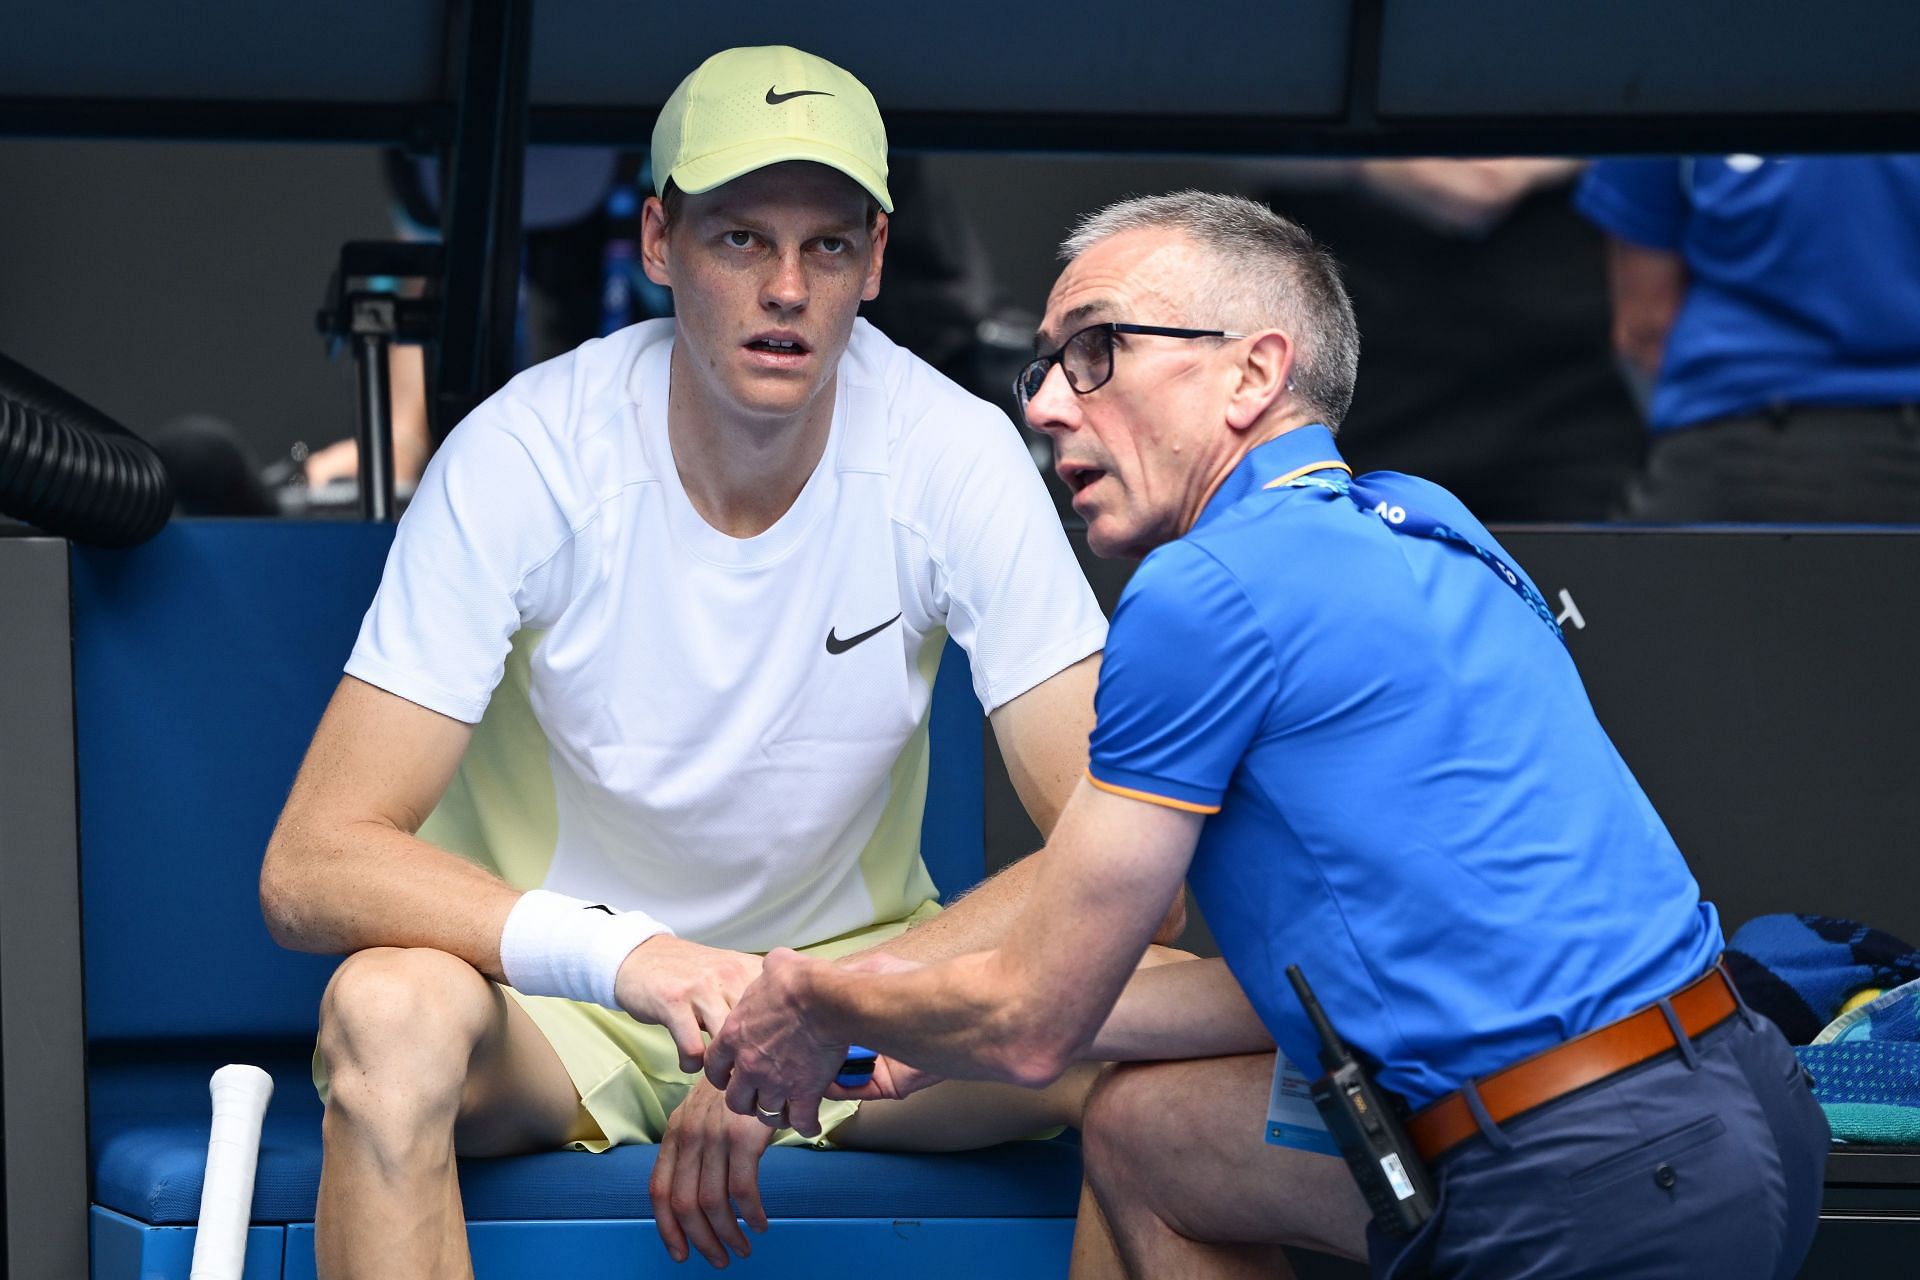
345	886
1191	1009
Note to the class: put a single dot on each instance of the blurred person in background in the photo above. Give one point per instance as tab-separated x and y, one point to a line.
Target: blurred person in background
1772	308
1482	296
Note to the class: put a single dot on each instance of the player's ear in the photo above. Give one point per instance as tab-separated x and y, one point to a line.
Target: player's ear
654	258
1263	374
878	252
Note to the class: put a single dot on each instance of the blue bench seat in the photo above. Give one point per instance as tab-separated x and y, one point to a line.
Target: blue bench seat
149	1143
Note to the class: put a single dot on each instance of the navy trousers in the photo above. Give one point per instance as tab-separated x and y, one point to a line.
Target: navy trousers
1705	1161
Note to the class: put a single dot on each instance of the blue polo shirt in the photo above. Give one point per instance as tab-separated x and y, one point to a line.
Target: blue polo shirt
1803	277
1408	793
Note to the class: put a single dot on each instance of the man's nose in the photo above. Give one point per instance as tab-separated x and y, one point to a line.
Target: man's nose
1054	407
786	288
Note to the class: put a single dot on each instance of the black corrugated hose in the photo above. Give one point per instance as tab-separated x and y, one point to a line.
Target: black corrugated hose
73	471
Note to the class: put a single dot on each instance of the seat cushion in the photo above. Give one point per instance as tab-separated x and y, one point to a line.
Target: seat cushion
151	1116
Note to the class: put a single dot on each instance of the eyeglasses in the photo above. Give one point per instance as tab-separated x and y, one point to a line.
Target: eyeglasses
1087	357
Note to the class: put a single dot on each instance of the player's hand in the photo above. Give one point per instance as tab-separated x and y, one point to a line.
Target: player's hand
684	987
767	1058
709	1161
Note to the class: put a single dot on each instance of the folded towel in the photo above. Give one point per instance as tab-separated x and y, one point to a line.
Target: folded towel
1866	1070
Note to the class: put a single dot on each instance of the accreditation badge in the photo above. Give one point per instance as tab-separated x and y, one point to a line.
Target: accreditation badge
1292	1119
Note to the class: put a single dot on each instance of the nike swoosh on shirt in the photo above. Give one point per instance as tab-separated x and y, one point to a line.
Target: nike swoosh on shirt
775	99
836	645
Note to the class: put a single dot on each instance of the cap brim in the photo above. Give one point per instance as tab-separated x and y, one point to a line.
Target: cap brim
721	167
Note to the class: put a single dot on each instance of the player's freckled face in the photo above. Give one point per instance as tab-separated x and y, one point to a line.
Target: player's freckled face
768	272
1137	453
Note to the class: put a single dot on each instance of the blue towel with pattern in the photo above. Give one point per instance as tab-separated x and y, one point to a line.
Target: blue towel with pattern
1866	1070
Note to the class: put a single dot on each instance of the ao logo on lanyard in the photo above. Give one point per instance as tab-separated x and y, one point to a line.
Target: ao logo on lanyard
1334	479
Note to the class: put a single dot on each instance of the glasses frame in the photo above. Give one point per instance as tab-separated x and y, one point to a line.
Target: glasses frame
1045	363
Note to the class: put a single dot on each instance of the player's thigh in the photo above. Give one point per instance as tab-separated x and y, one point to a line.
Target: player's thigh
1188	1139
964	1115
518	1095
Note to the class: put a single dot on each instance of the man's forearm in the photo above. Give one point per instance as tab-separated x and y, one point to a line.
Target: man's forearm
963	1019
977	922
980	920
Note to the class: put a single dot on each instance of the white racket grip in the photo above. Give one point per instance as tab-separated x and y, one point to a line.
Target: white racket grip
240	1095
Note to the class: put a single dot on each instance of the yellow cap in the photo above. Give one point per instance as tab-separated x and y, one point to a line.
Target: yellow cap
744	109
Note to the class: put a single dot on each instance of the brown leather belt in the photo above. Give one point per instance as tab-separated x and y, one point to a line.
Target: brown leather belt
1701	1005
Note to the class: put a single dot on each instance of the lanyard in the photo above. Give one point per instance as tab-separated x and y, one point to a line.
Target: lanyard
1335	478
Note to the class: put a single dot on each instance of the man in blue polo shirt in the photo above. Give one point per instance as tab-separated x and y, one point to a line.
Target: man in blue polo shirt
1772	304
1335	705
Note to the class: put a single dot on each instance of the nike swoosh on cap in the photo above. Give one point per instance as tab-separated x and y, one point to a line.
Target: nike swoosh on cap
775	99
836	645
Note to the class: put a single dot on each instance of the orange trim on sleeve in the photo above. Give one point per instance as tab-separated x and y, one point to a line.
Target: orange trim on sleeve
1309	469
1168	802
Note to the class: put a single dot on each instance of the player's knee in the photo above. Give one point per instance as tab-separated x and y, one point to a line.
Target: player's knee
407	1017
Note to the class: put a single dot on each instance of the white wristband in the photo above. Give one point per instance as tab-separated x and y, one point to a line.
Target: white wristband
554	945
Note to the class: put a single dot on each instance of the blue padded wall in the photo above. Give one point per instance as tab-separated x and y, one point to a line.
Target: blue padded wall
953	837
1522	58
201	663
1085	58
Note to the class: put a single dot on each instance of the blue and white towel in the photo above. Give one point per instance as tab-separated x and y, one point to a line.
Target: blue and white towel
1866	1070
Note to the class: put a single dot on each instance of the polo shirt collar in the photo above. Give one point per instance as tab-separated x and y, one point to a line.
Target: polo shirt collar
1284	455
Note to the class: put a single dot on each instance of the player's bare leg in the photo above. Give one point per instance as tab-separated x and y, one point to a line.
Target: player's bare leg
962	1115
422	1052
1177	1156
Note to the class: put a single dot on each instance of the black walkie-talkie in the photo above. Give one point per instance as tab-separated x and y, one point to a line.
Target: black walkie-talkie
1367	1129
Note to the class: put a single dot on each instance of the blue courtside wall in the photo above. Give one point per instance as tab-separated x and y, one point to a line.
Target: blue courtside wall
953	836
202	662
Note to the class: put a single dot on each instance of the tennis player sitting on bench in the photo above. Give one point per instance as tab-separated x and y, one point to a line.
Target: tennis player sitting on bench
654	650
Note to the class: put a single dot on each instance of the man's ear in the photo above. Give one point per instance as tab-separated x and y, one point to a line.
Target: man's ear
1266	372
879	252
654	258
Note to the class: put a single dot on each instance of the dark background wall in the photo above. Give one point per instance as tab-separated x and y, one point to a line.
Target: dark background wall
162	278
156	279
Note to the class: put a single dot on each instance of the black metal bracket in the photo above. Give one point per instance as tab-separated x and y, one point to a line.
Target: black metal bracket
381	293
489	56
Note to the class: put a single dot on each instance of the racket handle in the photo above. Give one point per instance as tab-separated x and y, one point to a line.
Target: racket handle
240	1095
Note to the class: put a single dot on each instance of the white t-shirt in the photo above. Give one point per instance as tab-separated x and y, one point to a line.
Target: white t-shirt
727	733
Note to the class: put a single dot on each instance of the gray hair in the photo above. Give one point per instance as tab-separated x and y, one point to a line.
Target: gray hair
1265	272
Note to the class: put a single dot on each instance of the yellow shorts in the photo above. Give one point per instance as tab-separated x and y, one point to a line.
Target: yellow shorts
628	1073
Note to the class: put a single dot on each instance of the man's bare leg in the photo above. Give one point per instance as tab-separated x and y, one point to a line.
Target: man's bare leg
422	1052
1177	1157
1095	1256
962	1116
